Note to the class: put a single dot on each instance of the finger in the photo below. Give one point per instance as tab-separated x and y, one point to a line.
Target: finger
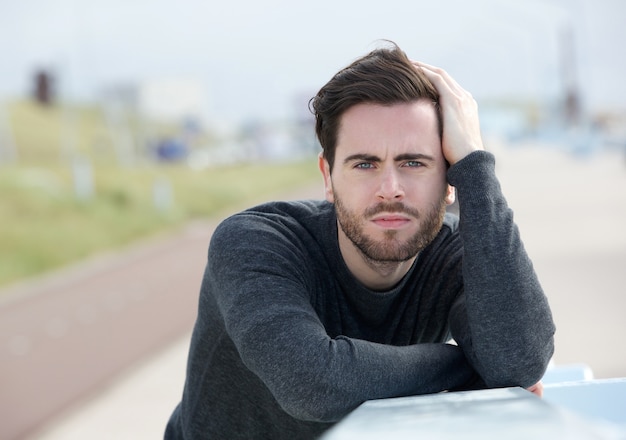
439	76
537	389
432	69
423	64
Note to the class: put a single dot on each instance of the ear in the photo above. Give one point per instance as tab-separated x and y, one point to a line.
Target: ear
450	195
328	183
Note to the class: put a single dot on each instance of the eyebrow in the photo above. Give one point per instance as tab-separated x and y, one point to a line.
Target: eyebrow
398	158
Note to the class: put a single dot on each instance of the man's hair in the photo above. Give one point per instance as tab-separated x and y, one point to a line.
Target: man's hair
385	76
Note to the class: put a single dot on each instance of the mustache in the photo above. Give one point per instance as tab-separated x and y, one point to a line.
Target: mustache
393	207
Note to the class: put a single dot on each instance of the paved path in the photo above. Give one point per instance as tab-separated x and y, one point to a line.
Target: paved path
67	335
71	332
571	212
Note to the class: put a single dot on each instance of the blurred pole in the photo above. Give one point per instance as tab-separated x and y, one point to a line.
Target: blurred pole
69	115
162	194
69	132
116	109
82	174
569	73
8	148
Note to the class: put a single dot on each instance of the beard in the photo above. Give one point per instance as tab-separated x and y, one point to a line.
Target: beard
390	249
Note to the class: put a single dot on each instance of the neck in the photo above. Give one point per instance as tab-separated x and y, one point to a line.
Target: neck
375	275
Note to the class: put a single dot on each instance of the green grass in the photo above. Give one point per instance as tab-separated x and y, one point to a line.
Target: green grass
44	225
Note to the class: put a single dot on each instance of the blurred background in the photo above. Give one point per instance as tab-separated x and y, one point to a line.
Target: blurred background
127	129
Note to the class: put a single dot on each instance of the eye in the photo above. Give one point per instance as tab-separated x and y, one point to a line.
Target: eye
413	164
364	165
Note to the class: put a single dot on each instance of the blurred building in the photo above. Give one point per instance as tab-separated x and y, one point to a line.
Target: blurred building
43	87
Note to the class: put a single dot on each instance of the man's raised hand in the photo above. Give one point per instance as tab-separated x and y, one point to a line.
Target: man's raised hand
461	126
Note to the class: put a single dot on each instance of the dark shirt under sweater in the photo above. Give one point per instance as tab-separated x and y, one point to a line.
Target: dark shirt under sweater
287	341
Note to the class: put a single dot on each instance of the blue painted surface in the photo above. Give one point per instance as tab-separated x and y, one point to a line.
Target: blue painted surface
567	373
507	413
601	399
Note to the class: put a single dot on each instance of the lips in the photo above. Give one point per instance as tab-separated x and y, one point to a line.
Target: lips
391	221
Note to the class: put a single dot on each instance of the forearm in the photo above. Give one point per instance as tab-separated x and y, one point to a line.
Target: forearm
507	330
323	380
315	377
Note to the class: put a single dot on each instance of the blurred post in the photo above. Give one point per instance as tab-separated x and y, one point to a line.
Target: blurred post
8	149
69	132
162	194
118	104
82	174
572	103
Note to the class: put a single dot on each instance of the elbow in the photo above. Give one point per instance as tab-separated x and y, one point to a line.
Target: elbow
320	389
314	410
523	369
314	398
316	407
310	414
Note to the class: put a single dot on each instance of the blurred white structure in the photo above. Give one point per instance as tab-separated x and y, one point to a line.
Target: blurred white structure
173	99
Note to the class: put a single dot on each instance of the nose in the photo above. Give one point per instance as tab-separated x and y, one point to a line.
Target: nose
390	187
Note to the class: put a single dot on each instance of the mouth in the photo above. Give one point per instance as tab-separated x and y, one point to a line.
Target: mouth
391	221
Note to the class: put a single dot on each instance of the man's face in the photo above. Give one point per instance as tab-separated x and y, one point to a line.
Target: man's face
388	182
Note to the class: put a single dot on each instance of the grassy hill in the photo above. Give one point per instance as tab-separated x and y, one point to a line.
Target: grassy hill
48	220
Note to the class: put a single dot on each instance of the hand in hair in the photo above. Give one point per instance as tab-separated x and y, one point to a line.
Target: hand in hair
461	127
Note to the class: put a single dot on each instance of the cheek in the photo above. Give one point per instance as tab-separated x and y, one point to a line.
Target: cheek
354	194
353	197
428	193
439	186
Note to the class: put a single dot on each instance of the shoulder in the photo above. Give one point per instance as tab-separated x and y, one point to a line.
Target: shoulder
286	237
302	210
291	220
293	213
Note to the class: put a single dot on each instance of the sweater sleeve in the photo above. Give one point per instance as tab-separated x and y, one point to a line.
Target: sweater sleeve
262	284
502	320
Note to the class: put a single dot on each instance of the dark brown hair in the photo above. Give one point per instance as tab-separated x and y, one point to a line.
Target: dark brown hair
384	76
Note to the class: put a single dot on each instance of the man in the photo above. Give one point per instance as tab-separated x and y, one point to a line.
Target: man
309	308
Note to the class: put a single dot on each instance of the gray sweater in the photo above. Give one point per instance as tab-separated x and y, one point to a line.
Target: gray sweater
287	341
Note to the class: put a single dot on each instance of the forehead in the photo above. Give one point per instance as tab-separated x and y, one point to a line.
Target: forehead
376	128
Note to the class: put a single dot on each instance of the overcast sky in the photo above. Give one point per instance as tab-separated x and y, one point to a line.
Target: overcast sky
253	58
